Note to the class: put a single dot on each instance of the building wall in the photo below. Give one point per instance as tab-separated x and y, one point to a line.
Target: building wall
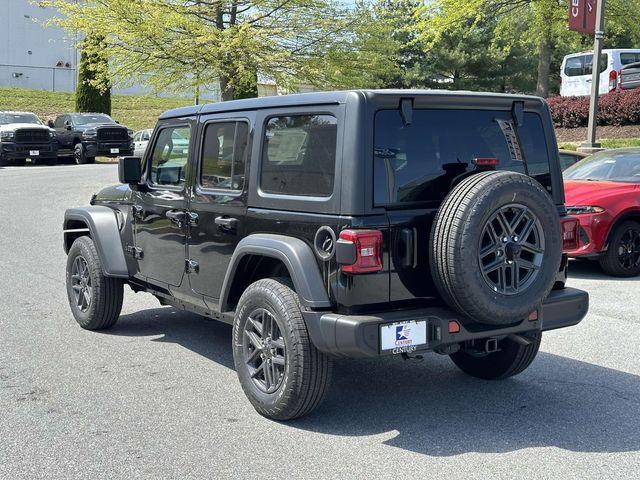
32	56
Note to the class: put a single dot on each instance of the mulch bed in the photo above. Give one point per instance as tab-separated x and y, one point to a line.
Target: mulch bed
580	134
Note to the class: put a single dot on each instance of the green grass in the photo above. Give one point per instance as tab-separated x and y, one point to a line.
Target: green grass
136	112
606	143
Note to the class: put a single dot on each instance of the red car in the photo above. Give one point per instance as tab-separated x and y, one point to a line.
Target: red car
603	192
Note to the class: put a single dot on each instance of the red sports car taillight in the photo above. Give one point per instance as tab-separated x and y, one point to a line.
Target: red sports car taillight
569	227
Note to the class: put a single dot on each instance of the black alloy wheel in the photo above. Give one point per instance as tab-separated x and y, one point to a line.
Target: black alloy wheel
511	249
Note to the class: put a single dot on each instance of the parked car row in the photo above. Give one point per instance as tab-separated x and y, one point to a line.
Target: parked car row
78	136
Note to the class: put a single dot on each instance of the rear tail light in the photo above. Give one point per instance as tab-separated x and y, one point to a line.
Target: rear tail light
570	227
486	162
613	80
359	251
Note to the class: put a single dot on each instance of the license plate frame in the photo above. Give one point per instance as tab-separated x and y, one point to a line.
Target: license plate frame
403	337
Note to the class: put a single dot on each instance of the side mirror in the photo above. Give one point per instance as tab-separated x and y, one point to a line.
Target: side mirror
50	124
67	124
130	170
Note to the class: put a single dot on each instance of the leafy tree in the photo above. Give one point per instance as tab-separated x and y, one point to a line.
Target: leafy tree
92	95
177	45
542	25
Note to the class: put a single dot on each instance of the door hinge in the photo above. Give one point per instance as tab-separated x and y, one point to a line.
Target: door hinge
135	252
191	266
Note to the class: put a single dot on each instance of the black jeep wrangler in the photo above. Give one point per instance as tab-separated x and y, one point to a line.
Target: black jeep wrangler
85	136
346	224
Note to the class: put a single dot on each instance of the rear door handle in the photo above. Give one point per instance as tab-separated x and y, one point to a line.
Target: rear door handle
227	222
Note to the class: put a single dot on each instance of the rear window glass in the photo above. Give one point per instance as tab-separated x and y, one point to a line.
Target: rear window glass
417	163
583	65
299	155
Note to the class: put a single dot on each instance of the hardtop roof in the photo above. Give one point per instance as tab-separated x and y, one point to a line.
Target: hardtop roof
325	98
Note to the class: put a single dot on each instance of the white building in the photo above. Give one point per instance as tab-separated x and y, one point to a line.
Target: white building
32	56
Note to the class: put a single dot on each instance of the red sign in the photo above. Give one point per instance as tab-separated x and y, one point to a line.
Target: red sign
582	16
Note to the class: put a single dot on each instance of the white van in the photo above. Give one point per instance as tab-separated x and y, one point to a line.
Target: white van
575	73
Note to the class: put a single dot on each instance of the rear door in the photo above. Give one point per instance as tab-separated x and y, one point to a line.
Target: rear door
218	202
416	164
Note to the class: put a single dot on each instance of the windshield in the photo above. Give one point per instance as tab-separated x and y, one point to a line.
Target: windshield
88	119
607	166
7	118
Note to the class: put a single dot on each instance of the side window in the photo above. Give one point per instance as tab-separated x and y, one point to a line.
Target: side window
299	155
627	58
145	135
566	160
170	156
59	122
137	136
223	155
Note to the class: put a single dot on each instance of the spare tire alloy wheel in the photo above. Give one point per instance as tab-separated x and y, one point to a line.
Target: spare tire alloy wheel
511	249
496	247
264	350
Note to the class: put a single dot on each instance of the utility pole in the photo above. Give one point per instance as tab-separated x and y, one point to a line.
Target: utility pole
590	145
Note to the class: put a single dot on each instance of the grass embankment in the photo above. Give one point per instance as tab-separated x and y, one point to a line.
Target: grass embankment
605	142
136	112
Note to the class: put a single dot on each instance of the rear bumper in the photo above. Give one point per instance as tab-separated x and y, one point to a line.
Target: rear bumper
359	335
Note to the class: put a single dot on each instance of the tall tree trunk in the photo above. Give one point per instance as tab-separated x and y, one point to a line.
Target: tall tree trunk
226	90
544	65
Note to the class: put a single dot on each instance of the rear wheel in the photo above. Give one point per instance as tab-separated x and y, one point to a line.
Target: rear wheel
511	358
95	300
622	258
281	372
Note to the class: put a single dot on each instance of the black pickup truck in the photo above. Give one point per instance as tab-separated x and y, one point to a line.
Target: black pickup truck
340	224
85	136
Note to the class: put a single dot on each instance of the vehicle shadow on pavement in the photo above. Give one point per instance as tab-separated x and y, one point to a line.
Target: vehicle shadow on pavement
590	270
209	338
437	410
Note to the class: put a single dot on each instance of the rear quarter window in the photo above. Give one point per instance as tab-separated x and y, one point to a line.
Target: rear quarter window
417	163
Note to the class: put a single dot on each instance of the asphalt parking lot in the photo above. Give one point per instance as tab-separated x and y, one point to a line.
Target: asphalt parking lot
157	396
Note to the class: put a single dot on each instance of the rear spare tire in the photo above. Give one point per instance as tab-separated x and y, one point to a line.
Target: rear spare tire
496	247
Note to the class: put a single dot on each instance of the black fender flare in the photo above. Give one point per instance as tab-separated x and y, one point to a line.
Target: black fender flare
297	257
102	224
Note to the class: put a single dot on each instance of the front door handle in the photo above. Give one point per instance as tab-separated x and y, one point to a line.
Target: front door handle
227	222
176	217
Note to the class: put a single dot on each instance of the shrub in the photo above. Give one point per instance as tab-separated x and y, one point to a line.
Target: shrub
621	107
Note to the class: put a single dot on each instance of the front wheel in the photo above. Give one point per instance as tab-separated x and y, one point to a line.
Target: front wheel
80	155
281	372
622	258
511	359
95	300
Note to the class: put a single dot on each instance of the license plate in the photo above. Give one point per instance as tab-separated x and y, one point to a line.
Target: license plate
34	153
403	337
115	150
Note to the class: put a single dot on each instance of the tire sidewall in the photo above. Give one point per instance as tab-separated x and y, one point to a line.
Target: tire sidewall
79	155
260	297
517	306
